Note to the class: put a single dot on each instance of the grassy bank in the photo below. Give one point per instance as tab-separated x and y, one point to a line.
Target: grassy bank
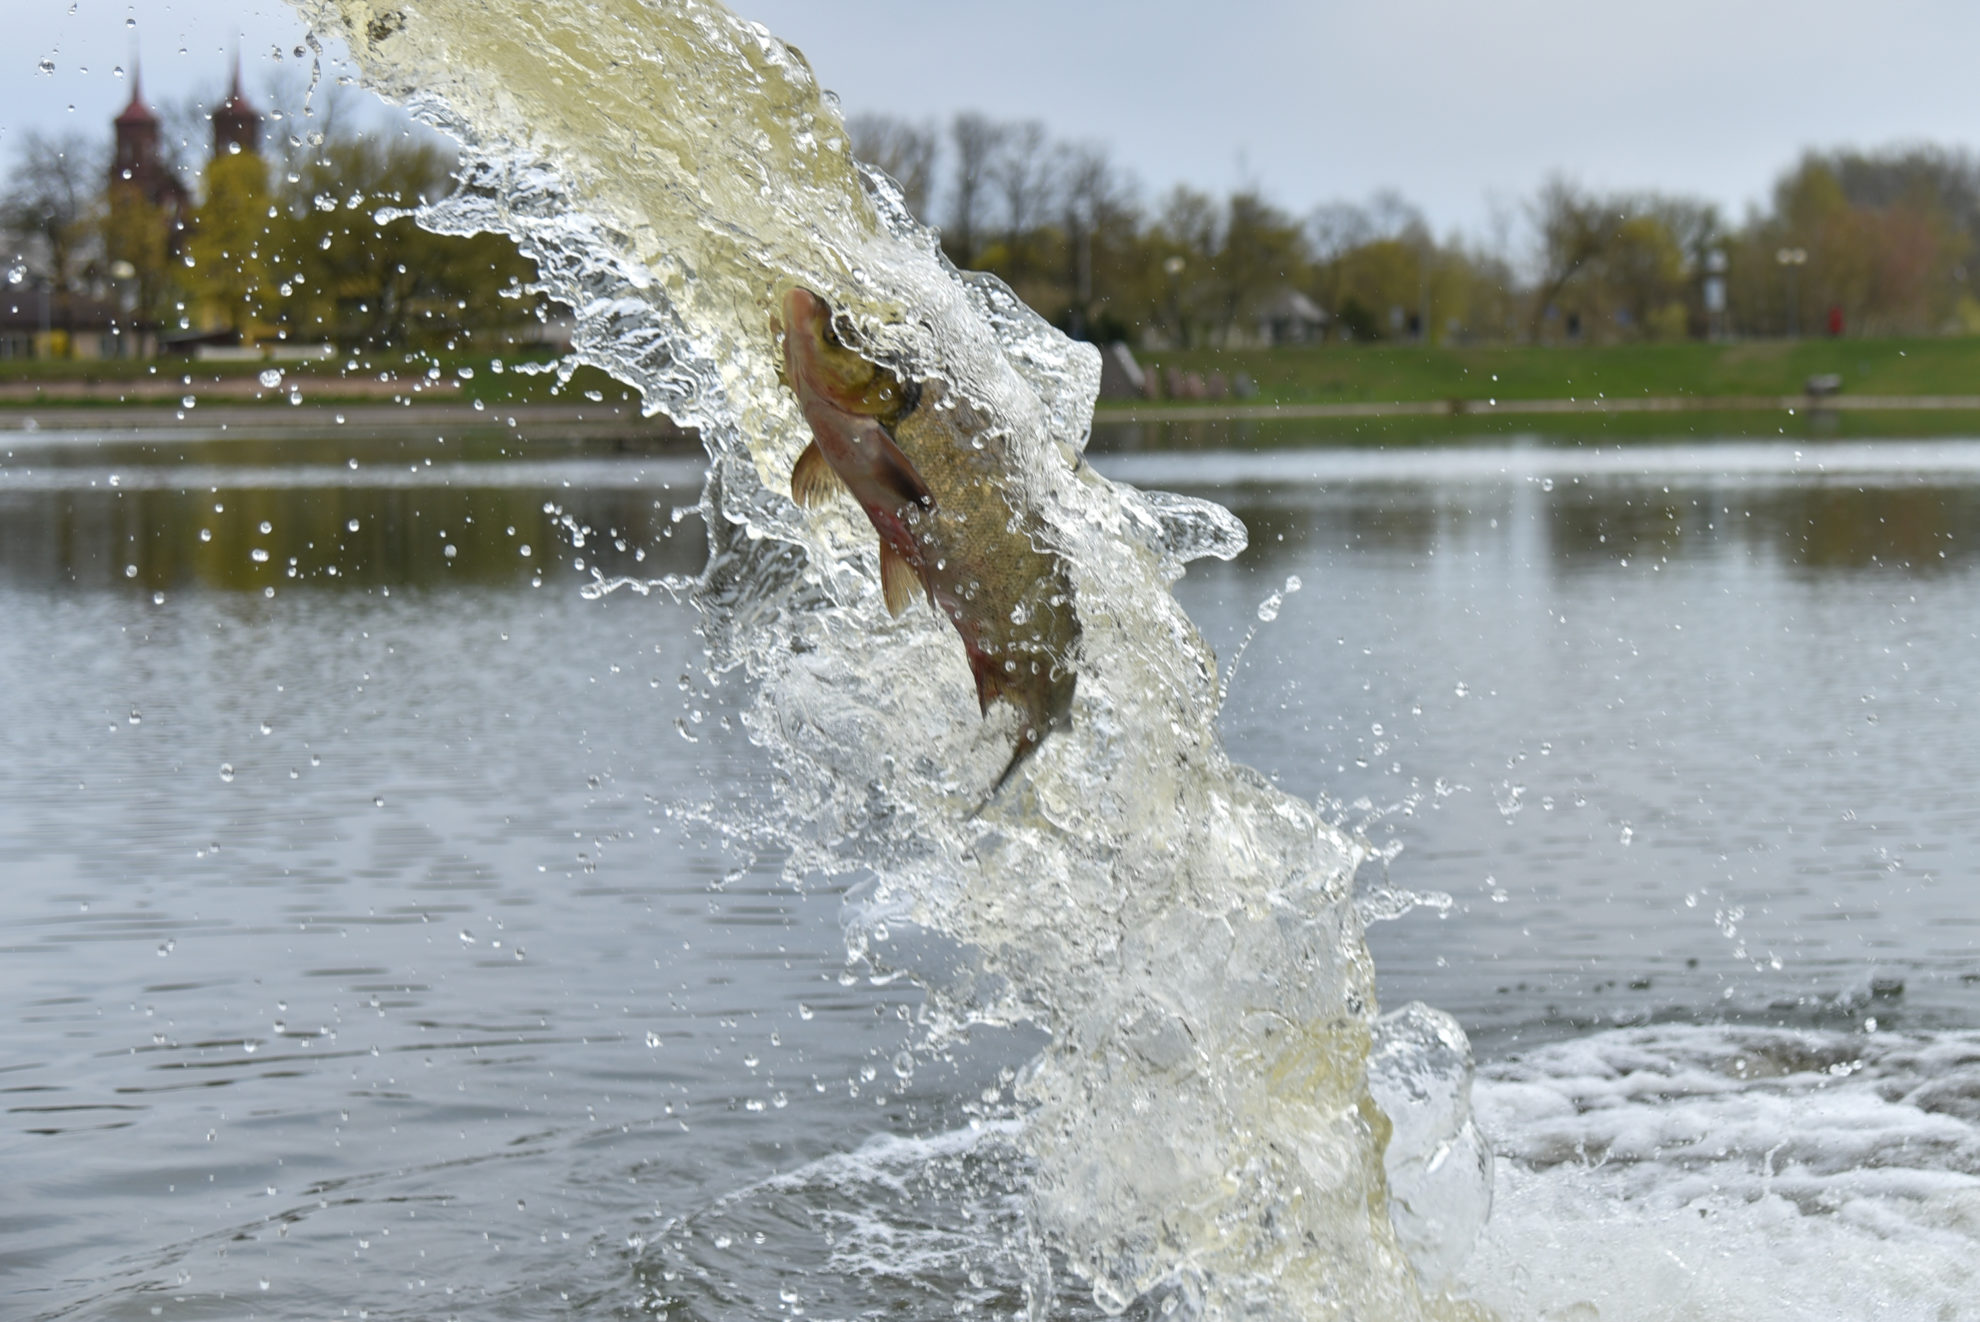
1327	376
1154	433
1375	373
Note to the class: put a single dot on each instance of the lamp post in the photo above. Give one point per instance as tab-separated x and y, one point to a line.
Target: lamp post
1791	261
1715	293
1174	265
122	273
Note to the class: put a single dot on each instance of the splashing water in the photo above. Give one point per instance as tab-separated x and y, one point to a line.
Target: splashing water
1202	1122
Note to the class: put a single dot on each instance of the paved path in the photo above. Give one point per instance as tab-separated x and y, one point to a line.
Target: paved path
247	422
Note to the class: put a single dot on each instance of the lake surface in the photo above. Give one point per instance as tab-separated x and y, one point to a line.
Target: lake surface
373	953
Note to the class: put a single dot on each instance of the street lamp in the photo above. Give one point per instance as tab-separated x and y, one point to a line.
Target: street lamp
1791	260
1174	265
122	273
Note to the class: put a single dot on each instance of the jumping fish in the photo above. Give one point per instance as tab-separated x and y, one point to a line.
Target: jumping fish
941	495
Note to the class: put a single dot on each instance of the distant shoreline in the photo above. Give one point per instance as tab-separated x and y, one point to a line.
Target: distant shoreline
1111	411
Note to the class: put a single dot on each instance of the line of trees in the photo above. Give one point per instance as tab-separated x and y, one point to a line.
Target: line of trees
290	244
1880	242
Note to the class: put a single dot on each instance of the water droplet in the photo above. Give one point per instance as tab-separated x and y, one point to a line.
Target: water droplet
652	1038
1627	834
449	551
258	555
130	571
352	526
904	1064
271	377
188	402
137	717
805	1011
266	728
227	772
1546	484
45	67
378	801
117	71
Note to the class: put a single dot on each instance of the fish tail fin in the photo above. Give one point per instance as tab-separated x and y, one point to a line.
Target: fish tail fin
1046	708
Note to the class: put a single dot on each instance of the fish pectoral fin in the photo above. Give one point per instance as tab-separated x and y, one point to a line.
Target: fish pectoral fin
812	480
895	472
899	580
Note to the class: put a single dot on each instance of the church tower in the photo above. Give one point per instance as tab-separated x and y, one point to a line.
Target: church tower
137	161
236	124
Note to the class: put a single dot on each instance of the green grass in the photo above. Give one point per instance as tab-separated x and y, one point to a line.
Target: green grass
1116	435
1337	373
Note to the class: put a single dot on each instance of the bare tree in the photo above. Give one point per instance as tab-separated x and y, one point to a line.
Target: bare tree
976	140
1574	230
1338	228
1092	197
1022	174
55	181
1396	217
904	151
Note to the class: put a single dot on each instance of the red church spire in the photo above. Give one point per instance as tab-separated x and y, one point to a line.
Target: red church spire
236	124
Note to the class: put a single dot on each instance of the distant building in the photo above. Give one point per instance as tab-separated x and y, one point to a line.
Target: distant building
138	161
150	210
236	124
1290	317
41	323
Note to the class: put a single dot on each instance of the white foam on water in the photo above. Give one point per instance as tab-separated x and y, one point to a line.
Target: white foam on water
1714	1172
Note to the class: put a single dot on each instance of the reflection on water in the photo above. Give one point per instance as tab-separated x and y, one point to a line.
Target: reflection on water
241	528
1592	523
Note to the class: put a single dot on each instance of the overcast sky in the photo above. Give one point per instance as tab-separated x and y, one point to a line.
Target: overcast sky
1454	104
